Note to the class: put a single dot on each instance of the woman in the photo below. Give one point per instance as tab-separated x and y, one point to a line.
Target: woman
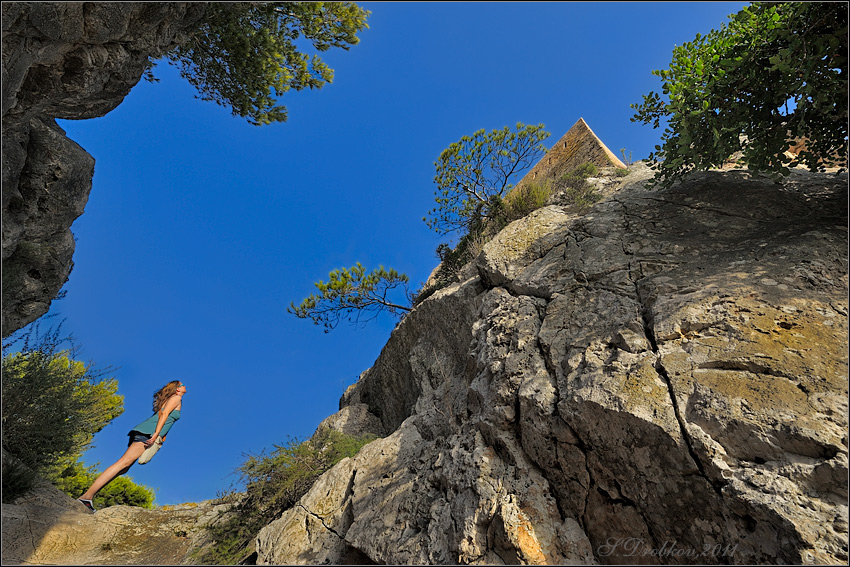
167	402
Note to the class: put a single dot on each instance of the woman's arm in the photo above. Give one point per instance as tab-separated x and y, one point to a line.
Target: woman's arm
169	406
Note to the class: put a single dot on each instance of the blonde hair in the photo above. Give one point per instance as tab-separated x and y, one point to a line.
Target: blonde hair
163	394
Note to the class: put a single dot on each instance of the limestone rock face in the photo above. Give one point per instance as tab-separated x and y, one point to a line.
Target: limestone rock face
70	60
660	380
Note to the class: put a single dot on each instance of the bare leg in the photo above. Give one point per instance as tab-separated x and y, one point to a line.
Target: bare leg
120	466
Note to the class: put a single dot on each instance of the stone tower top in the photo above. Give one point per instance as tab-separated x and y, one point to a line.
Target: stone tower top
578	146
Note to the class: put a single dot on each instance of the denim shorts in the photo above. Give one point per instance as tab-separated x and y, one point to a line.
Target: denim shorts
136	437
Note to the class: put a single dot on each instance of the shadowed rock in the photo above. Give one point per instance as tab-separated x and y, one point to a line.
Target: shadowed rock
69	60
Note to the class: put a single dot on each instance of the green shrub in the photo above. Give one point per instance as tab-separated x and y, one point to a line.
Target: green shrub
621	172
583	197
525	199
275	483
576	188
580	173
52	405
73	478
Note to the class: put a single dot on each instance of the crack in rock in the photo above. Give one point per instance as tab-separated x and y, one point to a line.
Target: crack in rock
322	520
662	372
647	321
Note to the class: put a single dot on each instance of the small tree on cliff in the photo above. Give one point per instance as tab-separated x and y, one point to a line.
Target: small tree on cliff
244	54
476	172
351	292
273	483
776	72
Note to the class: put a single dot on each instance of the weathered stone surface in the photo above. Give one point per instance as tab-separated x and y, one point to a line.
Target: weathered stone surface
46	527
39	206
520	243
355	420
661	380
70	60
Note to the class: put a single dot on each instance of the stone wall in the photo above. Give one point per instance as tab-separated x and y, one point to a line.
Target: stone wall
577	147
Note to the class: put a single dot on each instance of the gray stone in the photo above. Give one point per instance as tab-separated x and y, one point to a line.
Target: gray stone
70	60
627	386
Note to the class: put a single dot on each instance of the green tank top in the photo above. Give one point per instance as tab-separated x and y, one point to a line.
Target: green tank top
148	426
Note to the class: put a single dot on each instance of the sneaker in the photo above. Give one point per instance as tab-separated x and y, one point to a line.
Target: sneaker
86	503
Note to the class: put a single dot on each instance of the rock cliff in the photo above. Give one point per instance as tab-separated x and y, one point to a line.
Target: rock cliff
660	380
69	60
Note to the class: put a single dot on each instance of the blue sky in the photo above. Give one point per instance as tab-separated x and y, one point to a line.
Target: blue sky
201	229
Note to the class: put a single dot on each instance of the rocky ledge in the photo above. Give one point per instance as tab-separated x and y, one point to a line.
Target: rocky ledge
46	527
661	380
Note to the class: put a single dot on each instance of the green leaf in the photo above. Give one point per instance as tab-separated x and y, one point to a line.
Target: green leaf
722	82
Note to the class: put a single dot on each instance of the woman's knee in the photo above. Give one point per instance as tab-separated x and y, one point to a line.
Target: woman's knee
126	462
129	460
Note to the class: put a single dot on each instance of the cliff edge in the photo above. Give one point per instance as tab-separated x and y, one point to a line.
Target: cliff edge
69	60
660	380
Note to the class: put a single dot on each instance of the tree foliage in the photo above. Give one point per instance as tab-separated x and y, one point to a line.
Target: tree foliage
73	478
474	172
350	293
53	405
246	54
776	72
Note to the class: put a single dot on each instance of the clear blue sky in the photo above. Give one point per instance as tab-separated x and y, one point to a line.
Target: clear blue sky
201	229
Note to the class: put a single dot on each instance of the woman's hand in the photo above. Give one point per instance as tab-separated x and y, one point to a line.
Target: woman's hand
149	442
